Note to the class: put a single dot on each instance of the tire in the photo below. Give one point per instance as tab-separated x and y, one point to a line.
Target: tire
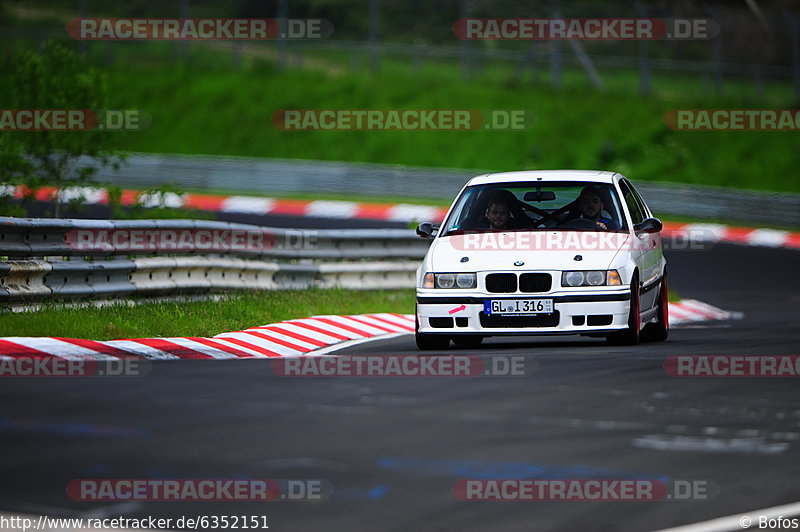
631	335
658	331
428	342
468	340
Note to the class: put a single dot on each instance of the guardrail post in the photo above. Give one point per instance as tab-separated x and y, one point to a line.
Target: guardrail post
24	279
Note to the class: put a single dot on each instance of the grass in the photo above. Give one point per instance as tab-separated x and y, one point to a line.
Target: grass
206	105
224	111
200	318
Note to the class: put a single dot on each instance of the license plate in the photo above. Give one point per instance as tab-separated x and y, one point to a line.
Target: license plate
518	306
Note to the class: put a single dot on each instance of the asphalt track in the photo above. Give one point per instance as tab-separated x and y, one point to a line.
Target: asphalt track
393	447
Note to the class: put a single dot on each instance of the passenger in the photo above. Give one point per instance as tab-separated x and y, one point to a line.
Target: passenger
590	206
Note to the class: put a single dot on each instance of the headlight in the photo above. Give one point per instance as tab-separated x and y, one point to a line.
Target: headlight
596	278
591	278
466	280
445	280
572	278
450	280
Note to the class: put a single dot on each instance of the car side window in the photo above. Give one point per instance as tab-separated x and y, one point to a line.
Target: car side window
465	204
639	200
637	216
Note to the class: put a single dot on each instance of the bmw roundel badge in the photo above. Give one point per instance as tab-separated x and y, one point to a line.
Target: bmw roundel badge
519	263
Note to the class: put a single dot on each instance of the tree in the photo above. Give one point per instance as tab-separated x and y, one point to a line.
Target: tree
55	78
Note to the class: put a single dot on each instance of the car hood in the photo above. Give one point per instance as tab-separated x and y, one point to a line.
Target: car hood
500	251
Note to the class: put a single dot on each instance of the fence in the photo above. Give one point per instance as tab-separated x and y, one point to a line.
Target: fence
756	44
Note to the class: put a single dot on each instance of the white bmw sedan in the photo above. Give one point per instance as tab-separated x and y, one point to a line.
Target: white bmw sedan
543	253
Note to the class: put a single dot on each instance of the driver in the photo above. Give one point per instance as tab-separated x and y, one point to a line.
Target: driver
590	206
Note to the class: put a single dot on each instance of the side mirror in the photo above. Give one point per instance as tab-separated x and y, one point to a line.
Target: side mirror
427	230
649	225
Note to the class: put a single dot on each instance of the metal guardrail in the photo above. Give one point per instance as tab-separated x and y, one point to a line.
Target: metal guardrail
40	237
59	259
33	280
271	176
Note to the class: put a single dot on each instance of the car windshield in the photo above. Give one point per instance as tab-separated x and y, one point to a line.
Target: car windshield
531	206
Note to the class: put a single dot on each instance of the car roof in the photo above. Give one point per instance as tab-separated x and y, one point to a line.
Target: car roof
594	176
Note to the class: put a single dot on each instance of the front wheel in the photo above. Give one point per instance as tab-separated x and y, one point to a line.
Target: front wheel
631	335
658	331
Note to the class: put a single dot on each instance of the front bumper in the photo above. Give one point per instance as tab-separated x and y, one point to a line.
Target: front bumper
594	311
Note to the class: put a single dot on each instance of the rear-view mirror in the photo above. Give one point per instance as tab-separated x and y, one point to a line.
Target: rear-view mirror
540	195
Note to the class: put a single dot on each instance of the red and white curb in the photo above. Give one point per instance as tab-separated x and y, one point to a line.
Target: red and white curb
691	310
317	335
402	212
292	338
748	236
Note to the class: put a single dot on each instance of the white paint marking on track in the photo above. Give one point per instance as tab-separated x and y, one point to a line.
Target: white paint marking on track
403	212
283	337
247	204
202	348
732	523
239	347
135	348
394	327
87	194
704	308
170	199
60	348
706	232
291	327
678	443
676	317
351	343
768	237
355	324
327	327
332	209
258	341
402	320
684	315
